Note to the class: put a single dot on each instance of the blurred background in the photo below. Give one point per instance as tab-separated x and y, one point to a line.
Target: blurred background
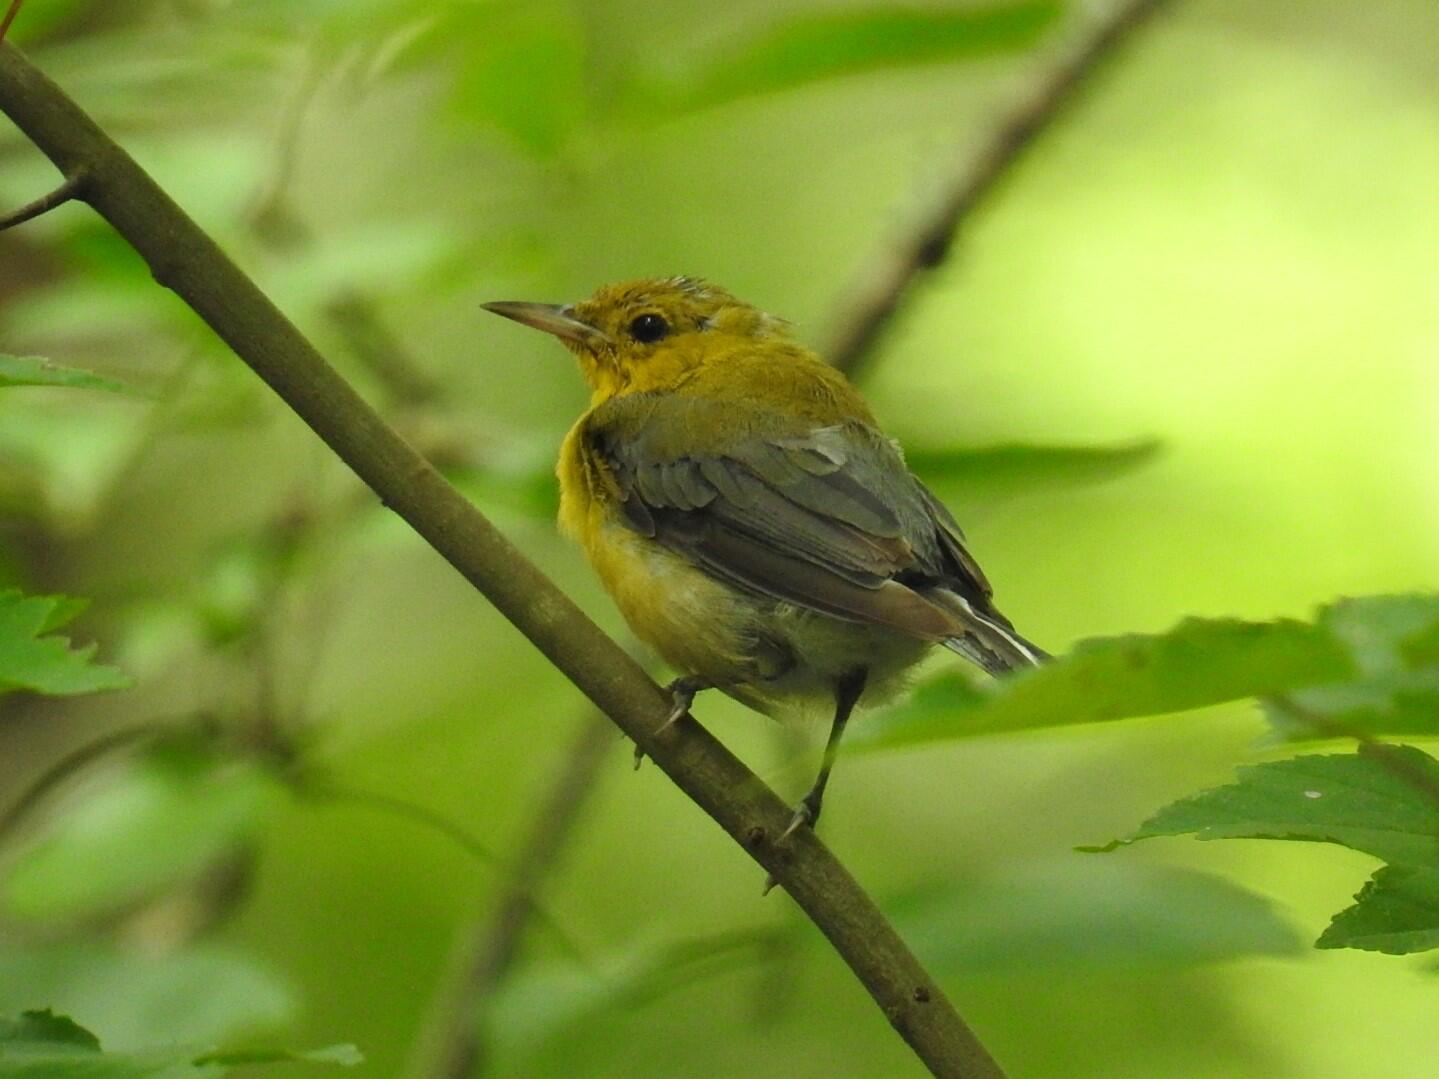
1230	248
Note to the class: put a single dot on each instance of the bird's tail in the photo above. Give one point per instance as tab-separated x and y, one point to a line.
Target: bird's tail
989	640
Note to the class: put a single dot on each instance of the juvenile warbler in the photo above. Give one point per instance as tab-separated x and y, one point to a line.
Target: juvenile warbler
753	524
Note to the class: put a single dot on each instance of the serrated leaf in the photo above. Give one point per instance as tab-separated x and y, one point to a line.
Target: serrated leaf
1021	467
1385	804
1063	915
1396	912
37	371
159	819
31	660
808	48
1200	662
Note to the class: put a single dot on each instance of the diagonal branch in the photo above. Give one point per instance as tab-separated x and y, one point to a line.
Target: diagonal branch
69	189
453	1046
185	259
10	14
888	278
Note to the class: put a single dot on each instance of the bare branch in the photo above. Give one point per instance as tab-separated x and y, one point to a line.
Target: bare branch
9	17
184	258
68	189
888	276
452	1047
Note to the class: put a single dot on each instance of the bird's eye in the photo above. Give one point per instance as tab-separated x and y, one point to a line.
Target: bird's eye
649	328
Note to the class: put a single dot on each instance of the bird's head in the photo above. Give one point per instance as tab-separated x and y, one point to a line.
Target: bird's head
648	331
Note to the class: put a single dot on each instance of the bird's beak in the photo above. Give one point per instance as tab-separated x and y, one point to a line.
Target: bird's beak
549	317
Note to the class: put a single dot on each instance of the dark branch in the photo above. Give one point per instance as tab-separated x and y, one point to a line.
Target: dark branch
9	17
184	258
889	276
68	189
453	1047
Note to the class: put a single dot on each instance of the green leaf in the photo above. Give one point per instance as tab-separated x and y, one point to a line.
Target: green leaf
36	371
346	1055
1063	915
542	51
1396	912
1393	642
1385	804
159	819
43	1045
45	1027
808	48
202	995
1200	662
32	661
993	471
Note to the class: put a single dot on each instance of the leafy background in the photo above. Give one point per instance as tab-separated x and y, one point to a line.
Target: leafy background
1228	249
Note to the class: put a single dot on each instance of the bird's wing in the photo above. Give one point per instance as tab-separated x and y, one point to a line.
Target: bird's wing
825	517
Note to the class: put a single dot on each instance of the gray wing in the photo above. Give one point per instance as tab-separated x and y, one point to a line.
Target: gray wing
827	518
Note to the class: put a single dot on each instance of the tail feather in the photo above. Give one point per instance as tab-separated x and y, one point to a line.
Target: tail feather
989	640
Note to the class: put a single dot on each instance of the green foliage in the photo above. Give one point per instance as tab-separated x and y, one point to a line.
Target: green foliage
203	994
1200	662
155	821
820	46
1361	665
32	659
1063	915
1384	802
1014	468
43	1045
37	371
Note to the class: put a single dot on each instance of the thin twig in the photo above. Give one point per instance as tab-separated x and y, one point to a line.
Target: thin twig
887	278
67	190
9	17
70	764
182	257
452	1047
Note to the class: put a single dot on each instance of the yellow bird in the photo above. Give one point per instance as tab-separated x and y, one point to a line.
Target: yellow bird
750	519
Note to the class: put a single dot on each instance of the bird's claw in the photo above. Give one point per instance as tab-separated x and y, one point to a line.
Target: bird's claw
682	694
804	814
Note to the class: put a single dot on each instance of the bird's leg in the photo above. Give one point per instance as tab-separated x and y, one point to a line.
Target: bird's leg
682	694
846	694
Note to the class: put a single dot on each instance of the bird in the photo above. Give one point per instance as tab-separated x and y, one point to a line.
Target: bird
753	524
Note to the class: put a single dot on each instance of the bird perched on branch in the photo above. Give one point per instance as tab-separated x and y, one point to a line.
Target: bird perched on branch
750	519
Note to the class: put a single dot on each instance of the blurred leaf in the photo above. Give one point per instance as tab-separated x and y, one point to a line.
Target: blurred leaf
544	1002
1382	805
532	47
1200	662
1020	467
1398	692
1066	916
345	1055
821	46
1397	912
46	664
36	371
202	995
155	821
42	1045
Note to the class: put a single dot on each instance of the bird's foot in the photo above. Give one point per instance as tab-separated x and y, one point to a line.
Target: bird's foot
682	694
805	815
